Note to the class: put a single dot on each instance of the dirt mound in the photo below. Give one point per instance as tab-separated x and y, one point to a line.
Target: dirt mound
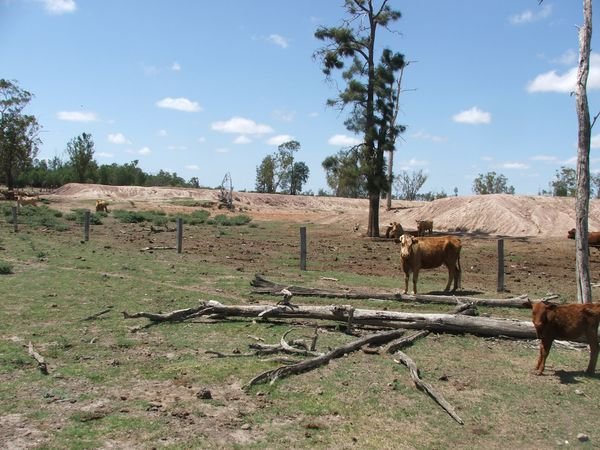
508	215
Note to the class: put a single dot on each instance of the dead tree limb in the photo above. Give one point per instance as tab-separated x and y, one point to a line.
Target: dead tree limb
39	359
313	363
98	314
442	323
174	316
263	286
296	351
426	387
405	341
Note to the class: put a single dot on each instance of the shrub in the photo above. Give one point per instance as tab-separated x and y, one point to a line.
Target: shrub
227	221
5	268
137	216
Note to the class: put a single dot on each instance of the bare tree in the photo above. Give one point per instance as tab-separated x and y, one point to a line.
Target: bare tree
582	263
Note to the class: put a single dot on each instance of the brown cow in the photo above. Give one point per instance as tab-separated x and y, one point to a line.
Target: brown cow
423	226
394	230
593	237
571	321
22	201
101	205
429	253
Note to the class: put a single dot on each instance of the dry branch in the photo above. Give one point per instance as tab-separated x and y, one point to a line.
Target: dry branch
405	341
263	286
39	359
424	386
98	314
313	363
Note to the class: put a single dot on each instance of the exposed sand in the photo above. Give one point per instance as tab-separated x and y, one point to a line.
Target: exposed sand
500	214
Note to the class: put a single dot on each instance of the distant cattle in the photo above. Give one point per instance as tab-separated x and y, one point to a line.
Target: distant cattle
571	321
22	201
593	237
429	253
423	226
394	230
101	205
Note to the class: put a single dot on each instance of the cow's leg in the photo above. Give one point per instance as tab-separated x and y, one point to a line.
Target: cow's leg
592	338
415	279
450	277
406	276
545	345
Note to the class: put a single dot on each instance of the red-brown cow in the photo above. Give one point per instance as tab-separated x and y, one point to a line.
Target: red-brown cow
394	231
571	321
593	237
429	253
423	226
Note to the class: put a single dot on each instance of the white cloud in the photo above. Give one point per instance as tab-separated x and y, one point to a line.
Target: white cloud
428	137
412	163
201	139
513	165
144	151
162	133
554	82
341	140
284	116
595	141
118	138
278	40
242	140
59	6
176	67
176	147
180	104
103	155
192	167
240	125
280	139
222	150
567	58
529	16
473	116
77	116
544	158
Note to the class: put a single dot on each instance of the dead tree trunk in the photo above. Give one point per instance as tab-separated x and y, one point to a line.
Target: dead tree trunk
263	286
442	323
584	289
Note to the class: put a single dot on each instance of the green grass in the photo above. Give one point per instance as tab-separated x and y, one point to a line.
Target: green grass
114	382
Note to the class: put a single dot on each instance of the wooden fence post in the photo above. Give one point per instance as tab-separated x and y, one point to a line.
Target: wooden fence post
86	225
302	248
500	265
15	218
179	235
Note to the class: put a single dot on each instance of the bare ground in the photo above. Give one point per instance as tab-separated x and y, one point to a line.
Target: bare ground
500	214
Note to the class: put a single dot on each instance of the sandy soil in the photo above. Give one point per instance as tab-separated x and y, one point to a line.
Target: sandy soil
506	215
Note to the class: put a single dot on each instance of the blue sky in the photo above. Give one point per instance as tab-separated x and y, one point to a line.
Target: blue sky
202	88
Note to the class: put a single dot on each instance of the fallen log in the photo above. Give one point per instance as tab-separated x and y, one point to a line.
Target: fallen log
441	323
263	286
426	387
39	359
313	363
